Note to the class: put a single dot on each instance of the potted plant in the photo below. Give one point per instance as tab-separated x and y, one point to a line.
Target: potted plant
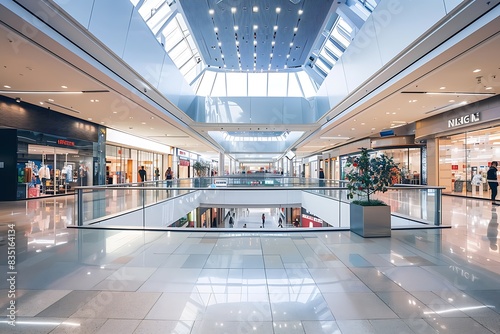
367	176
201	169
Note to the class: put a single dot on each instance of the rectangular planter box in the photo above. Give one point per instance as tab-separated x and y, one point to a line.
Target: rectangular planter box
371	221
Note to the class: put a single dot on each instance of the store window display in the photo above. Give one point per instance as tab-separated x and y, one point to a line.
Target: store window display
464	160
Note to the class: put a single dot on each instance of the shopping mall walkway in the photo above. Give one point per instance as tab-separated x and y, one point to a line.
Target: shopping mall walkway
98	281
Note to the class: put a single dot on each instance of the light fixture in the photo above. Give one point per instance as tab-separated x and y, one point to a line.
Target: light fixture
450	93
278	10
255	9
18	99
233	10
211	11
339	137
300	11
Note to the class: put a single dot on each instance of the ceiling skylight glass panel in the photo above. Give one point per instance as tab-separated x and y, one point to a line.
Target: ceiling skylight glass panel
173	35
327	57
219	85
148	8
180	53
206	84
236	84
325	67
294	86
306	83
257	84
189	71
278	84
156	22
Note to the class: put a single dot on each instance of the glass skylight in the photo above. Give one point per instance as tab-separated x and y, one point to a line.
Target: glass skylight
167	23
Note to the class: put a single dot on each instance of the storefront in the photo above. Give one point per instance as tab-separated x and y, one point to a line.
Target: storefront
123	161
465	141
45	152
409	156
50	165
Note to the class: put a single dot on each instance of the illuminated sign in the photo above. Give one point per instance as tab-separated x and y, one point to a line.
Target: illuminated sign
65	142
471	118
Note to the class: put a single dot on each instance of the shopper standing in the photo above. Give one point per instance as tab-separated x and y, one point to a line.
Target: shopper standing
491	176
142	174
263	219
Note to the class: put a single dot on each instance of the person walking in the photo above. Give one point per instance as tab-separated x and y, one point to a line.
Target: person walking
142	174
491	177
263	219
280	222
169	175
321	177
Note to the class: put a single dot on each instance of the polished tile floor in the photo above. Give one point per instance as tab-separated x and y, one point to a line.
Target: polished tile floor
108	281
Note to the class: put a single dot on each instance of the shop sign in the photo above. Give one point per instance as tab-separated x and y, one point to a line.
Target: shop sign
183	162
182	153
471	118
65	142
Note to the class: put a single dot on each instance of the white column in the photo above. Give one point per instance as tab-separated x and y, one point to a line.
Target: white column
221	164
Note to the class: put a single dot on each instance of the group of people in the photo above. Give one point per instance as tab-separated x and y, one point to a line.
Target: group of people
169	175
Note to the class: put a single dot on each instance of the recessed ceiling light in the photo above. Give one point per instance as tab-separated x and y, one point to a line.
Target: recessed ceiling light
288	56
488	88
64	87
219	44
90	118
7	86
233	10
275	28
387	113
115	112
41	102
278	10
394	113
300	11
477	70
271	55
451	101
222	55
237	43
362	123
291	43
353	129
50	100
235	28
273	42
254	42
102	122
442	87
216	29
255	27
295	29
255	9
211	11
143	123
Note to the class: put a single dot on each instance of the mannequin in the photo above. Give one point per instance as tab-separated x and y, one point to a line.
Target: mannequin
44	174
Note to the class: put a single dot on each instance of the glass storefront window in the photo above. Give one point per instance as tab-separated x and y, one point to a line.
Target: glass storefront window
463	156
408	160
123	164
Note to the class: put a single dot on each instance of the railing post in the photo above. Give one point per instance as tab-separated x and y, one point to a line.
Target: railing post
438	207
79	201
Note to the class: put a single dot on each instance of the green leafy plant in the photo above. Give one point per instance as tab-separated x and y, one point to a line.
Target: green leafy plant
368	176
201	168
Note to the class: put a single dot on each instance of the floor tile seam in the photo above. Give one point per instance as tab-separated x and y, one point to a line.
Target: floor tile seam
418	251
428	320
